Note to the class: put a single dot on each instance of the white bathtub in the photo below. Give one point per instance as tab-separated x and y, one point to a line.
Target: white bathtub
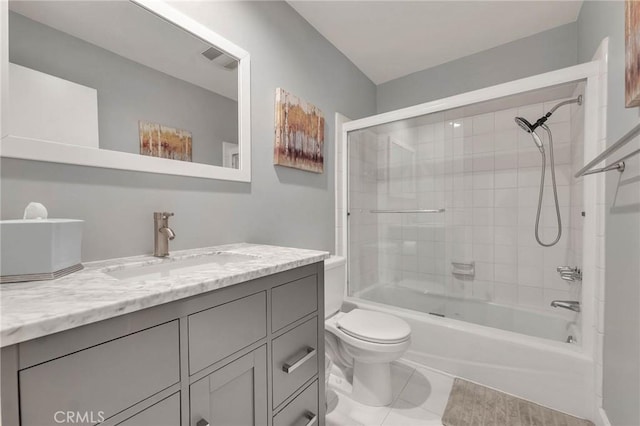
550	372
520	320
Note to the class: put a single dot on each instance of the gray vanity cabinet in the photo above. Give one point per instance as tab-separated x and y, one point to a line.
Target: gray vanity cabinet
233	395
247	354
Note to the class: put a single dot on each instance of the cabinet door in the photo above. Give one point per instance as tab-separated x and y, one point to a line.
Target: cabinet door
165	412
234	395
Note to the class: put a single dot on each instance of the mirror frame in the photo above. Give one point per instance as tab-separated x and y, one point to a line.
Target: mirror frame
12	146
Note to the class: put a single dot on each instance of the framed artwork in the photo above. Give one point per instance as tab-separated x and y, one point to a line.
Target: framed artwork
299	134
161	141
632	53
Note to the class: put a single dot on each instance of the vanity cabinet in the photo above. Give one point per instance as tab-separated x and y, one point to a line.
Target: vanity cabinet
247	354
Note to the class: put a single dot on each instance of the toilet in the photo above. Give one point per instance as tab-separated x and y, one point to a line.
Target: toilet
367	341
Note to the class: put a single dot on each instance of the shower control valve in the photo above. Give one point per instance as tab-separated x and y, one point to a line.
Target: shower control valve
568	273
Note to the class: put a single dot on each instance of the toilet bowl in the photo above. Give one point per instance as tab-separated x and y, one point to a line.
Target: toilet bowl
366	341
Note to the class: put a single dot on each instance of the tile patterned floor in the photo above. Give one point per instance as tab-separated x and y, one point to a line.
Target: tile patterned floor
420	397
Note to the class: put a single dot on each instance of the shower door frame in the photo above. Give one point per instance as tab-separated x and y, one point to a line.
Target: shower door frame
589	73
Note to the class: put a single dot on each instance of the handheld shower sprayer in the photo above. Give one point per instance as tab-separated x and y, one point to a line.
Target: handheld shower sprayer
531	129
527	127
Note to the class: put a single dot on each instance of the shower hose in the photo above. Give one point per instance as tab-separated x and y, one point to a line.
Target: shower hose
555	191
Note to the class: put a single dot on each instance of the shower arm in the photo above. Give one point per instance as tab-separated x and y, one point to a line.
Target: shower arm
545	117
577	100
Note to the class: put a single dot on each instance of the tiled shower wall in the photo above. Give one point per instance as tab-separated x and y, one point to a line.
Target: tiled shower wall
484	171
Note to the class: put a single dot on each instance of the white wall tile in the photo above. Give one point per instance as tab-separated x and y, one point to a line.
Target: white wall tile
484	271
530	296
506	178
506	139
483	124
507	159
505	293
505	235
505	255
530	276
505	273
483	198
483	253
507	197
505	119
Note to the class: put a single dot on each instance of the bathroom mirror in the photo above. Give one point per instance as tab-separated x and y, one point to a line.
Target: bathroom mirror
125	85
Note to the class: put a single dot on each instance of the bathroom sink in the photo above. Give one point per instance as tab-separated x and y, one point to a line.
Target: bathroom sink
177	268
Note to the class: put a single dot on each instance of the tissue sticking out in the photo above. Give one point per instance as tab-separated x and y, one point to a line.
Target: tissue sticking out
35	211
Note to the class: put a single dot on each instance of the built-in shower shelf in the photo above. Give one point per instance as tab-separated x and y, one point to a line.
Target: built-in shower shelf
463	269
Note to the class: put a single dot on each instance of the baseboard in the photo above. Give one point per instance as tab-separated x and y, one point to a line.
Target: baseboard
601	418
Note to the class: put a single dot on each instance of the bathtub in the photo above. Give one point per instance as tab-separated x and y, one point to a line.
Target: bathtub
509	318
539	367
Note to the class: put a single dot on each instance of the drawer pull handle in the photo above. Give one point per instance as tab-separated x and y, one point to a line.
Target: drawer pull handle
202	422
290	366
313	418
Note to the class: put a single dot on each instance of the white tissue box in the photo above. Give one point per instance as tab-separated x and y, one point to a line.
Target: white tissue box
40	249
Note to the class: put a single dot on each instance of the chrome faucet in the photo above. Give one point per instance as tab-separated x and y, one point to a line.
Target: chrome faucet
566	304
568	273
162	234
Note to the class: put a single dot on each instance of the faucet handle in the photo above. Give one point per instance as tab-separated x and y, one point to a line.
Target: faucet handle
162	215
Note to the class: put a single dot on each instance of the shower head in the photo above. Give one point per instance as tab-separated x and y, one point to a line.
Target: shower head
529	128
524	124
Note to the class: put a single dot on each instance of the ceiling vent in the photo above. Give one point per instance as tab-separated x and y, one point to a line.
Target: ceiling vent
221	59
211	53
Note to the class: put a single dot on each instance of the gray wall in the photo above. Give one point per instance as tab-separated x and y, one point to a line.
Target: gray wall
281	206
598	20
546	51
136	93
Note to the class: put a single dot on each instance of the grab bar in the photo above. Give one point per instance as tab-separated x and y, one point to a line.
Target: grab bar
617	165
409	211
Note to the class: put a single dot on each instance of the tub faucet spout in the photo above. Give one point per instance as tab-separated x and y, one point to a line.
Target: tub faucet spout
566	304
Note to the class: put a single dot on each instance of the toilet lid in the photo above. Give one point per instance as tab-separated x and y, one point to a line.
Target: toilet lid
375	327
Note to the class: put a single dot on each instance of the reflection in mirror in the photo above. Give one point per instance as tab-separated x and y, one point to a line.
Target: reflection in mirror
112	75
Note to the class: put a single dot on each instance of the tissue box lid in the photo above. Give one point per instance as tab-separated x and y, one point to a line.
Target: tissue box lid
39	246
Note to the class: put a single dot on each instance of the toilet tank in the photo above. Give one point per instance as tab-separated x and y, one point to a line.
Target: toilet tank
335	280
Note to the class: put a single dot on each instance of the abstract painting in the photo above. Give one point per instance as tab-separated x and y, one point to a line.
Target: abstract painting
632	45
161	141
299	134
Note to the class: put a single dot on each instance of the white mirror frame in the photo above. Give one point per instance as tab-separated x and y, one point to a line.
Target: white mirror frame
13	146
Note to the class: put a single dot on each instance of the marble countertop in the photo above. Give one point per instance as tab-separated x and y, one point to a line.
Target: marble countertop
38	308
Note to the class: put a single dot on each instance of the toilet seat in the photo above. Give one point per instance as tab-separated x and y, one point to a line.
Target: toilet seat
374	327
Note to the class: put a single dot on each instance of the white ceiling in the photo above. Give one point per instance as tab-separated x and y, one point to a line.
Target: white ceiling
136	34
391	39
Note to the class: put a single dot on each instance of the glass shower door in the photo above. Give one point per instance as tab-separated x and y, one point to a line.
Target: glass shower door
396	224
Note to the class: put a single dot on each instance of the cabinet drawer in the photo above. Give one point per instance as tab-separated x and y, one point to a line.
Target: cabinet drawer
295	351
165	412
293	300
301	411
219	332
103	380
